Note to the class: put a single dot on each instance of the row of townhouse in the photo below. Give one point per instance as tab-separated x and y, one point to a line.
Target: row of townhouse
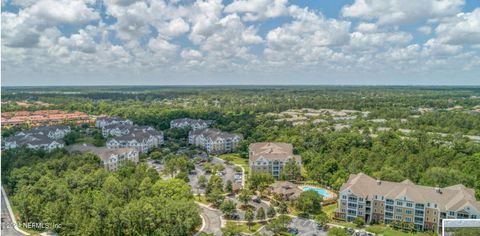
214	140
112	159
113	120
271	157
142	138
45	137
378	201
194	124
44	117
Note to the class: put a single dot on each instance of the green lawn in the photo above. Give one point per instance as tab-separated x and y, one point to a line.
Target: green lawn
387	231
236	159
244	228
201	199
330	209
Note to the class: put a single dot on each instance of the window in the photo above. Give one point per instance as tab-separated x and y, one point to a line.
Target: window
408	219
399	210
408	211
398	217
409	204
344	197
451	213
399	203
360	199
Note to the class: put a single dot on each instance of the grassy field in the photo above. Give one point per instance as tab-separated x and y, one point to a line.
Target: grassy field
330	209
244	228
201	199
236	159
387	231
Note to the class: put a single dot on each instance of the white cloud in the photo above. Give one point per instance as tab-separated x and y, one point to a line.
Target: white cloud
64	11
394	12
464	28
258	9
204	36
425	29
306	39
367	27
174	28
24	29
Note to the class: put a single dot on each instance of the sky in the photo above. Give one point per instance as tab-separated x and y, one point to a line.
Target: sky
234	42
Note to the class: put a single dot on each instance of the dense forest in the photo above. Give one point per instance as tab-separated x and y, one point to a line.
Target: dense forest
75	192
435	152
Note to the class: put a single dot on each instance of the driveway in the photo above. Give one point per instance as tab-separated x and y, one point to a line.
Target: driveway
7	223
241	213
212	221
194	180
229	171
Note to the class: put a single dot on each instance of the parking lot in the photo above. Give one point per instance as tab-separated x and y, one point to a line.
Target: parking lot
306	227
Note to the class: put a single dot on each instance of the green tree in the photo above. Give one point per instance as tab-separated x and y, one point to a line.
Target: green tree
245	196
359	221
291	171
282	207
229	186
228	208
260	213
271	212
321	219
249	217
260	181
309	202
202	181
215	197
231	230
279	224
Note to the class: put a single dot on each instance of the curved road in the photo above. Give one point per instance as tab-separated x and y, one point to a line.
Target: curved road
7	222
212	220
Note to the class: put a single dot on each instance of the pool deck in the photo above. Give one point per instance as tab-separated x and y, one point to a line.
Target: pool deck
330	193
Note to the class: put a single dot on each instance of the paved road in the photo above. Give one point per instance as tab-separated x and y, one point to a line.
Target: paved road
241	213
7	225
306	227
212	220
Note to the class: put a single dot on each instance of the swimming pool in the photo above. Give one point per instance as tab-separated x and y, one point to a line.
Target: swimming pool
320	191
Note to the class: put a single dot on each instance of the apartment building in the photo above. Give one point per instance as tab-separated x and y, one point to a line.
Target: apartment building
112	159
104	121
116	130
271	157
214	140
44	137
33	141
192	123
378	201
142	138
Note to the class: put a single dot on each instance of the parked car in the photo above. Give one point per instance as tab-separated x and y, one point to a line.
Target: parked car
256	199
293	231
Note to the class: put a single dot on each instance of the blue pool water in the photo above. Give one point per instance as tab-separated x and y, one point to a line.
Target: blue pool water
320	191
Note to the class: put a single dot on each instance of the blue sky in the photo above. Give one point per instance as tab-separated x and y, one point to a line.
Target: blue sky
199	42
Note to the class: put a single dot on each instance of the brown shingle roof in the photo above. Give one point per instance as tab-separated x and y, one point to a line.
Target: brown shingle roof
271	151
451	198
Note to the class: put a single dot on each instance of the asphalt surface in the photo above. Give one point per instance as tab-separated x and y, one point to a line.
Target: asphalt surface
306	227
7	225
241	213
212	220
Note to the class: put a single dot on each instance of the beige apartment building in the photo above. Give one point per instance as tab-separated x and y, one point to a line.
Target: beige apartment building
271	157
378	201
